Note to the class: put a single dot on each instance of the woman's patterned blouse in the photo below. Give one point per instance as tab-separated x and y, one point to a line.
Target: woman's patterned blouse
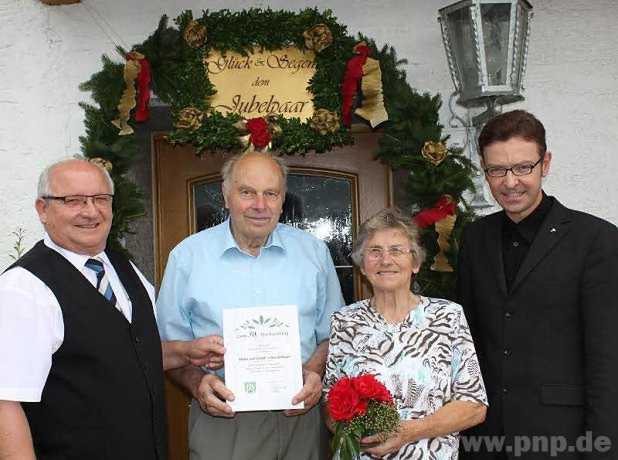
426	361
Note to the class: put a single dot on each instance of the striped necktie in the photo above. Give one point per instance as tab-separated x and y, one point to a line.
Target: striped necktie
103	285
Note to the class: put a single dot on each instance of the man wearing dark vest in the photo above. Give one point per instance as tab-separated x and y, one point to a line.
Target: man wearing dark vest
538	284
81	362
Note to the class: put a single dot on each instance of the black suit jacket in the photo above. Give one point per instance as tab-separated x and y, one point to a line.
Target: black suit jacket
548	349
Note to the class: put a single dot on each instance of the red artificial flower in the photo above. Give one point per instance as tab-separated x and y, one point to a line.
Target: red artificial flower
343	401
361	407
260	135
368	387
350	396
348	403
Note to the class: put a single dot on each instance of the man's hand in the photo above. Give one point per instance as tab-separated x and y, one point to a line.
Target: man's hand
310	393
207	351
212	394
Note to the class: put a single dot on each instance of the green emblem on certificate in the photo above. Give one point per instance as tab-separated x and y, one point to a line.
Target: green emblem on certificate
250	387
262	322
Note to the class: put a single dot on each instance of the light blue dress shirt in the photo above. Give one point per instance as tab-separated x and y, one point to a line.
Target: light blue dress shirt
208	272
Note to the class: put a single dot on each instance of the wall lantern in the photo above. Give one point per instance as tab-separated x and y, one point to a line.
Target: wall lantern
486	45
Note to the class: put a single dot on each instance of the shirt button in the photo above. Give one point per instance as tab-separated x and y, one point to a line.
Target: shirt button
138	340
508	315
507	352
505	390
515	243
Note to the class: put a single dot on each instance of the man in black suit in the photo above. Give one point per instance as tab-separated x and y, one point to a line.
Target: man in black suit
538	284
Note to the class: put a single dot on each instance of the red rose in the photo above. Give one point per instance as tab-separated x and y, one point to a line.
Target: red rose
365	385
361	407
257	124
384	396
368	387
343	402
260	136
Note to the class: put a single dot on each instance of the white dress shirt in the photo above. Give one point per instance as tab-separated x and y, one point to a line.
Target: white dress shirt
32	327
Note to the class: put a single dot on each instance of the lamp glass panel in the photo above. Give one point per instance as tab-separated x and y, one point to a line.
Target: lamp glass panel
496	19
519	51
461	35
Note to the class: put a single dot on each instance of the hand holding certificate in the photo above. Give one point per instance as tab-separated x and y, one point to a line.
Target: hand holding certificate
263	366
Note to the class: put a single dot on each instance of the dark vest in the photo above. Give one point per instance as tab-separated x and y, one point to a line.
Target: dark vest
103	398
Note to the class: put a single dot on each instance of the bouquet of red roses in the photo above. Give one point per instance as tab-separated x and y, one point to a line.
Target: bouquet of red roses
359	406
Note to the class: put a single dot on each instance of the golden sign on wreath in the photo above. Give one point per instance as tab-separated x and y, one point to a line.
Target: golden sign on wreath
262	83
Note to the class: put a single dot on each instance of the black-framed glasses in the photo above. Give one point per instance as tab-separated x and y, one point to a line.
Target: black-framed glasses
100	200
522	169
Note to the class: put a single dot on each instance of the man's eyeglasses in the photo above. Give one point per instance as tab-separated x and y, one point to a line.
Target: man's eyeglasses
396	252
522	169
101	200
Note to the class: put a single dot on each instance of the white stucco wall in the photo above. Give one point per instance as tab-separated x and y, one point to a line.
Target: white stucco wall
45	52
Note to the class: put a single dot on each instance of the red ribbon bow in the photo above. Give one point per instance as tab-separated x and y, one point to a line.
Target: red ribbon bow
351	79
444	207
143	88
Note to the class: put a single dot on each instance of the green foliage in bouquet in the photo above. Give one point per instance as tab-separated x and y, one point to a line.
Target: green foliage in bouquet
380	418
359	406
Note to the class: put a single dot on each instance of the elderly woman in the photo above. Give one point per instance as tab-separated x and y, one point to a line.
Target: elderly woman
419	347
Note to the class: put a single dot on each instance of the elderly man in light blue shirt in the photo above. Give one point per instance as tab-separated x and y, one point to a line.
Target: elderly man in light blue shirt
250	260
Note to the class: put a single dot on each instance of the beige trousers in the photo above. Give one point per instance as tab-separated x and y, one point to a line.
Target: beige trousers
257	436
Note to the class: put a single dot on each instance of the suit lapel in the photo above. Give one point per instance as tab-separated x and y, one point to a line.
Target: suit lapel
553	229
494	249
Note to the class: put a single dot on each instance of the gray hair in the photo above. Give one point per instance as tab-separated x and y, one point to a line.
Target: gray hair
389	218
228	168
44	188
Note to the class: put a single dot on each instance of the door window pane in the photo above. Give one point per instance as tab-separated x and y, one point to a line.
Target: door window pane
209	206
322	206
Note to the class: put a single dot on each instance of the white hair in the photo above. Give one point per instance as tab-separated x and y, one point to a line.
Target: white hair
387	219
44	188
228	168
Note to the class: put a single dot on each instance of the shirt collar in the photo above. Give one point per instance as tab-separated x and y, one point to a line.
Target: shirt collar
77	260
416	317
530	225
229	242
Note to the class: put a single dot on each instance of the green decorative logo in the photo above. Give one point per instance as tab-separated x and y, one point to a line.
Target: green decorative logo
262	322
250	387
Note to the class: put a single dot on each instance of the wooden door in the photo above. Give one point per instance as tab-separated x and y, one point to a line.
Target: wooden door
329	194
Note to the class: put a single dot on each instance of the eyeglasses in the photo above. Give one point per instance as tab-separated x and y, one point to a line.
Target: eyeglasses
396	252
101	200
522	169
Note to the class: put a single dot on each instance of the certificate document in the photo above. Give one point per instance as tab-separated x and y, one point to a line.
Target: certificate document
263	366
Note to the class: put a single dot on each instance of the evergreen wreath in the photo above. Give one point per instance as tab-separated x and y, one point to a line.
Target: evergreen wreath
412	138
